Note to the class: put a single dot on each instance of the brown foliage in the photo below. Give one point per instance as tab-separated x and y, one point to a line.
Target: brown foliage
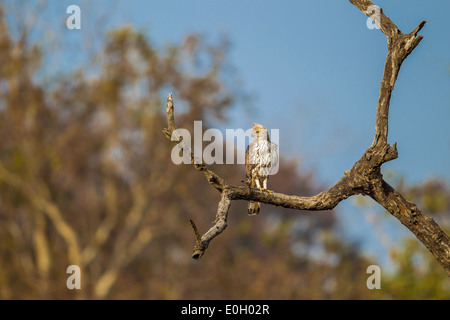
85	180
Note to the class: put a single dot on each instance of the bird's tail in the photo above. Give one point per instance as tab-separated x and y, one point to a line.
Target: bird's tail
253	208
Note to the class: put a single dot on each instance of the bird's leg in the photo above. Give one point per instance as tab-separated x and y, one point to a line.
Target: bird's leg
258	185
265	186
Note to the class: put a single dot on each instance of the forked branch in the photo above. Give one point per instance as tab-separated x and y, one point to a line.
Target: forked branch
363	178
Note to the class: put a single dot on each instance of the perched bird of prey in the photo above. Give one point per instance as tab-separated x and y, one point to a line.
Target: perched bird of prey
260	157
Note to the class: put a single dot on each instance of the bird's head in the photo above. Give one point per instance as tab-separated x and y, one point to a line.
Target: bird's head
258	131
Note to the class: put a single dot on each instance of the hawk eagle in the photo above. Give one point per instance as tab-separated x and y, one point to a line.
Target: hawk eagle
260	158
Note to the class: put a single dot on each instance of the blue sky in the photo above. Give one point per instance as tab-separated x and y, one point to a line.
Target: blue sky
314	69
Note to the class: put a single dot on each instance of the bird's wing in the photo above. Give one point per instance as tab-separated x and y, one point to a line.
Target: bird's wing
248	165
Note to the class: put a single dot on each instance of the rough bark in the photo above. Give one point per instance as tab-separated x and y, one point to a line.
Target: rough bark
363	178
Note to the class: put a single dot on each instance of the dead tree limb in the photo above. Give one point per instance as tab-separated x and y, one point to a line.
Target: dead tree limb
363	178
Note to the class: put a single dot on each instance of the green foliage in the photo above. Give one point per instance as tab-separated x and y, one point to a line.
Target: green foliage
417	275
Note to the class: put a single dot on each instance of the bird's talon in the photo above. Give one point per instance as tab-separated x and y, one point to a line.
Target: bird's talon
262	190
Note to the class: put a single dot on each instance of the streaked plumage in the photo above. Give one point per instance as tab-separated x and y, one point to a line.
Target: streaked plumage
259	158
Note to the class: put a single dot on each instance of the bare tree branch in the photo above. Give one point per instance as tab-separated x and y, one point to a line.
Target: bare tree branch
363	178
170	132
219	225
400	46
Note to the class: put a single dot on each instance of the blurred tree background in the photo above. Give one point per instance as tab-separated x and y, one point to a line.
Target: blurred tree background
86	179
